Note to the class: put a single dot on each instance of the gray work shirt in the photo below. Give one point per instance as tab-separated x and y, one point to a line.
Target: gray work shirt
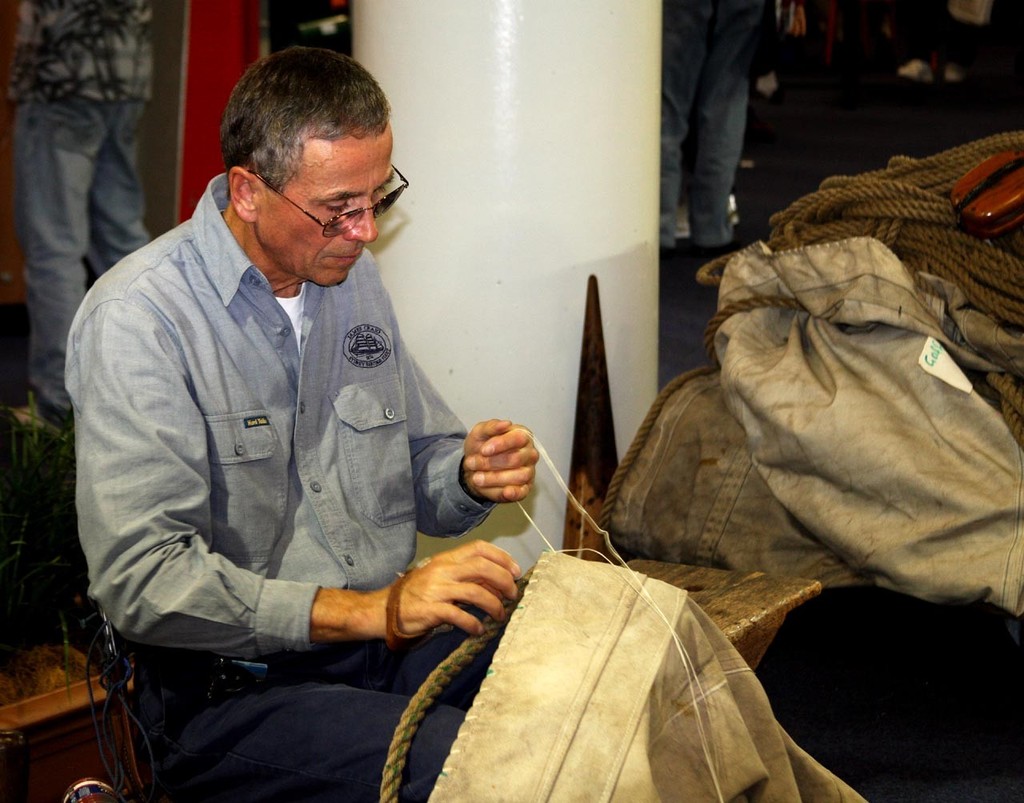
223	476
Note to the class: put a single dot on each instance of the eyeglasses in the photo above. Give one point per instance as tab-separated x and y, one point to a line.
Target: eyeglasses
344	222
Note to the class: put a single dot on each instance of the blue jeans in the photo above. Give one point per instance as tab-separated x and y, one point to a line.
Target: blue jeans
318	729
707	49
77	197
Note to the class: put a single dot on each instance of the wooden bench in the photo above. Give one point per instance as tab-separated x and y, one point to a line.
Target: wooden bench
749	607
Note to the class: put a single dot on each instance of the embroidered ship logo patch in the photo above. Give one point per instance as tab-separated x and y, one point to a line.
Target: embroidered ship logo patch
367	346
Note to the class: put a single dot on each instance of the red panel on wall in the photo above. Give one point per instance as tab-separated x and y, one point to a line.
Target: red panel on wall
223	39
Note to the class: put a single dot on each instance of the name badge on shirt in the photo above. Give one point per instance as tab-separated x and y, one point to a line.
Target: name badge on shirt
256	421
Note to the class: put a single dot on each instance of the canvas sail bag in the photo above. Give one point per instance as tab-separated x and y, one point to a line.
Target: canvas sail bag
688	492
875	459
588	700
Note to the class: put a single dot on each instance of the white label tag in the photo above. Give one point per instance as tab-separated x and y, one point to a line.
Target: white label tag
937	362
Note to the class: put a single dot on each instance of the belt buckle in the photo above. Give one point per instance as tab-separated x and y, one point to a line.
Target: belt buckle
229	676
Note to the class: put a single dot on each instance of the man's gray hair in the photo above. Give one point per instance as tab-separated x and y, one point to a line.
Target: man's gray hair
294	95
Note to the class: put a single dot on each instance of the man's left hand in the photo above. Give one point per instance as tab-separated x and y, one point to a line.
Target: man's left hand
499	462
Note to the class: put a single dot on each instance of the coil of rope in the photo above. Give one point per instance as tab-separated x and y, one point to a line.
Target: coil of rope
906	206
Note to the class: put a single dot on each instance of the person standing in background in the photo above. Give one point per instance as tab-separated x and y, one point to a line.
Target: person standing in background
707	50
80	77
933	33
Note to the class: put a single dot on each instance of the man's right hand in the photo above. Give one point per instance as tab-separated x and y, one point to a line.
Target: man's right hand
476	573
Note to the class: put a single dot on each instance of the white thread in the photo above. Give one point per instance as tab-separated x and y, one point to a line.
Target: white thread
637	585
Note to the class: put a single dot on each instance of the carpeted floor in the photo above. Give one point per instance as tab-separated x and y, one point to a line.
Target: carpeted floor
904	700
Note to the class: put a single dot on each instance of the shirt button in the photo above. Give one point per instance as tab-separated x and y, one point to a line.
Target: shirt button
349	560
302	407
239	448
389	413
285	332
316	487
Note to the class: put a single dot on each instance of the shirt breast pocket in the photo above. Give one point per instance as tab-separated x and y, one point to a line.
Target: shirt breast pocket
240	437
246	486
375	442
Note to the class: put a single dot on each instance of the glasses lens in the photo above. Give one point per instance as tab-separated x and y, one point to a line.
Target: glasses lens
336	227
348	220
385	203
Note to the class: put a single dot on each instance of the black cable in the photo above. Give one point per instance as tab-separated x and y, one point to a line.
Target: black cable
115	673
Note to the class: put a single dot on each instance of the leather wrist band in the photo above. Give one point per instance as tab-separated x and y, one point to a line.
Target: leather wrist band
393	635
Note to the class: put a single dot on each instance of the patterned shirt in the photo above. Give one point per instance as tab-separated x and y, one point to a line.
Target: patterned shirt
97	50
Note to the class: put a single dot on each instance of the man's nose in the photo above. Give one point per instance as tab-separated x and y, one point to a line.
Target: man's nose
363	228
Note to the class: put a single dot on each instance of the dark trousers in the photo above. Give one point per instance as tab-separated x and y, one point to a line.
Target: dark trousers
318	728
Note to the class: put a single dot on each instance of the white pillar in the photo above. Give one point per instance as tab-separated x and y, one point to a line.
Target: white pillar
529	131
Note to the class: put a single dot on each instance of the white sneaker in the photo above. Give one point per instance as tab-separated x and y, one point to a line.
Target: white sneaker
916	70
953	73
683	221
733	210
767	85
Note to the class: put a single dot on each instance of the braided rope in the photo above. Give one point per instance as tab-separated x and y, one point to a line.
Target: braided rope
1011	402
428	692
906	206
745	305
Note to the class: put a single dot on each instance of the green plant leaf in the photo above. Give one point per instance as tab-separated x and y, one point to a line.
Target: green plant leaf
43	575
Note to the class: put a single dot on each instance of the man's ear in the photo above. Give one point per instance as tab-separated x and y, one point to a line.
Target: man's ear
244	188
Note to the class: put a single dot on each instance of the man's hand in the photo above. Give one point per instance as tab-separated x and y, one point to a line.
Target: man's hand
499	462
434	593
477	573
